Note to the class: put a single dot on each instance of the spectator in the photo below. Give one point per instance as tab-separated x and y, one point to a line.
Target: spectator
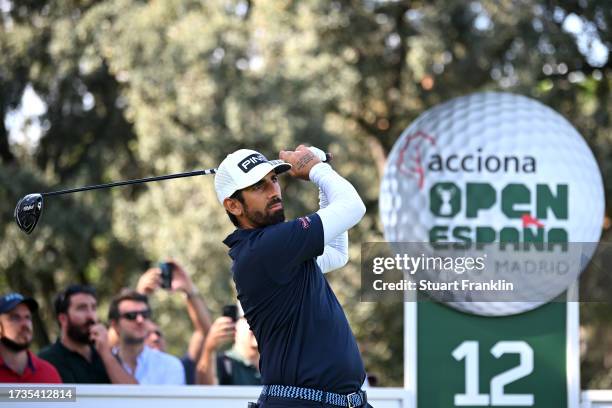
130	314
148	283
156	340
237	366
83	353
17	363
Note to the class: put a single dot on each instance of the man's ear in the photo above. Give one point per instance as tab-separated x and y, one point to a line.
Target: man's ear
62	318
233	206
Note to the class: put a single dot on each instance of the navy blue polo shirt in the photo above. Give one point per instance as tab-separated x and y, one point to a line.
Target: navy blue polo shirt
303	335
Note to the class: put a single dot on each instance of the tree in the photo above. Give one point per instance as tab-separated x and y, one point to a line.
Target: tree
136	88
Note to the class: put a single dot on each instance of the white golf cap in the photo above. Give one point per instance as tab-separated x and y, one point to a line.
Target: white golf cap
244	168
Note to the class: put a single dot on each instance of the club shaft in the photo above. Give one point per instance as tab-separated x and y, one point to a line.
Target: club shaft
328	158
128	182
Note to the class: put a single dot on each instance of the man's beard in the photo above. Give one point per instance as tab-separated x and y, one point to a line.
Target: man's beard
132	340
79	333
13	346
260	219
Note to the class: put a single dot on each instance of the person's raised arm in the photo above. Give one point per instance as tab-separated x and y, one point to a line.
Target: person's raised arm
335	254
196	308
222	331
345	207
116	373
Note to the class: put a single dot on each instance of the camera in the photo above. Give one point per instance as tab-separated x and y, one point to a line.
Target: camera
166	274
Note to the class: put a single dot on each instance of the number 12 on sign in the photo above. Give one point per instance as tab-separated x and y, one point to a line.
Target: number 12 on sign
468	351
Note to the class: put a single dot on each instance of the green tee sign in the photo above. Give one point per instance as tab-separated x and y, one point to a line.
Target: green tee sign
493	168
464	360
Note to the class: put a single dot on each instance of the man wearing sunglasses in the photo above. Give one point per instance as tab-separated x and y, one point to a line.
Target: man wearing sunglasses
130	315
82	354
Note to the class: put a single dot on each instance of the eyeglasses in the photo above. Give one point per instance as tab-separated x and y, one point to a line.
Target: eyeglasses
146	314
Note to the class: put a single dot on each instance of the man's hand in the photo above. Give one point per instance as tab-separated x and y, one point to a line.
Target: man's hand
149	282
222	331
98	334
181	280
301	160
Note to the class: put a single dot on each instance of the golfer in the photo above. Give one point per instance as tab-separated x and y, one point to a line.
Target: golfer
309	356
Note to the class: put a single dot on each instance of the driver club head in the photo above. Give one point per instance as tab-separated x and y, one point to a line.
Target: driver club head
28	211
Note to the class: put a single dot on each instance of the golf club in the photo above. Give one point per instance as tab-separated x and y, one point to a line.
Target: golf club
29	208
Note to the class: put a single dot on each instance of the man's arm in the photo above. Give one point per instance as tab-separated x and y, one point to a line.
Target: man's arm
222	331
116	373
345	207
150	281
205	370
196	345
196	308
335	254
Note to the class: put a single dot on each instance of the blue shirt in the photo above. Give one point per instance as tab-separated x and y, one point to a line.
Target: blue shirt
303	335
156	368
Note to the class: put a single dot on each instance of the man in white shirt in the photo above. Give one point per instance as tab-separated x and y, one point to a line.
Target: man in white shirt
130	314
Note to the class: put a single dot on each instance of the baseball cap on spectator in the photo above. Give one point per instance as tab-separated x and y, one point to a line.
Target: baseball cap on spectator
10	301
242	169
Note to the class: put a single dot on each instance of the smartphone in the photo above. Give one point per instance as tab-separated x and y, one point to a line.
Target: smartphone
166	274
231	311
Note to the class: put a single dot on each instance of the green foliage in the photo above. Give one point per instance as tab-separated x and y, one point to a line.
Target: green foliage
135	88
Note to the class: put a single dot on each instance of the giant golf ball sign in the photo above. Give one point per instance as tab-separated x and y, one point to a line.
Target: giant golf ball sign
487	168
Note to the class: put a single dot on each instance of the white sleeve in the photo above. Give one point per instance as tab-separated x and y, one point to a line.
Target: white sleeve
335	254
344	210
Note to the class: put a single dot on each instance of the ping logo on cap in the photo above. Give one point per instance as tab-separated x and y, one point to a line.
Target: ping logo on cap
252	161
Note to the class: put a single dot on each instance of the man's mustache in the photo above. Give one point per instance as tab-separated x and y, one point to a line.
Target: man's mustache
274	202
25	331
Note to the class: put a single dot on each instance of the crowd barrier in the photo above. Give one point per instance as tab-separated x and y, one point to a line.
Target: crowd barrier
146	396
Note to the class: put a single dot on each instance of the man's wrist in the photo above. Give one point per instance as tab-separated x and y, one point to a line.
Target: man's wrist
317	170
209	350
105	352
191	293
